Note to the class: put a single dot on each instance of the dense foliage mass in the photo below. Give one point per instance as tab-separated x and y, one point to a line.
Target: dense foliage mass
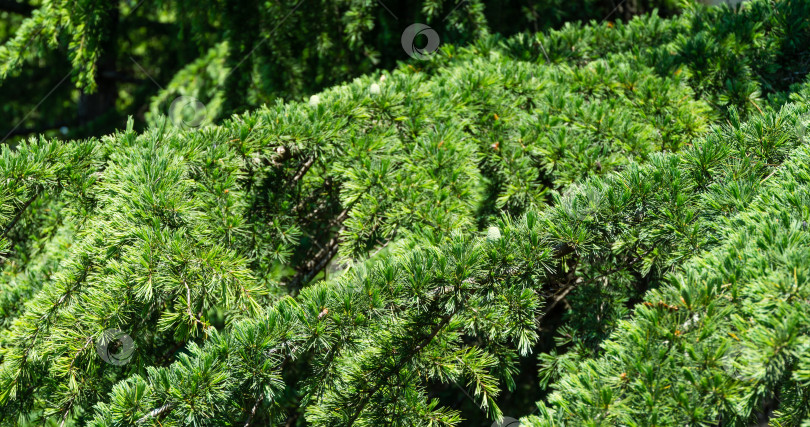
621	204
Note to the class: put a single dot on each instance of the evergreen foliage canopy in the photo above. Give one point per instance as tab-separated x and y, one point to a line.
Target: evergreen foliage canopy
335	262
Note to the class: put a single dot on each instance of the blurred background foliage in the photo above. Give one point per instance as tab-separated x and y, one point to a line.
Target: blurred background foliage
79	68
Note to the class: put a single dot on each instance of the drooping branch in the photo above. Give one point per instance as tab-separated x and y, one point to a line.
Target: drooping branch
318	262
419	347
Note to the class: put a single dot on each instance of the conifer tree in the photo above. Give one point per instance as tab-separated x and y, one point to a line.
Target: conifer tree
335	262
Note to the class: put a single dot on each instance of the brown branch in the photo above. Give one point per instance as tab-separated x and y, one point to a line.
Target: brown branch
188	305
157	412
315	265
422	344
563	249
65	414
318	262
19	214
303	170
253	411
558	297
78	353
561	293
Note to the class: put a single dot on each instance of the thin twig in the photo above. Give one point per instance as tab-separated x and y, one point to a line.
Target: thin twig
19	214
155	413
253	411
